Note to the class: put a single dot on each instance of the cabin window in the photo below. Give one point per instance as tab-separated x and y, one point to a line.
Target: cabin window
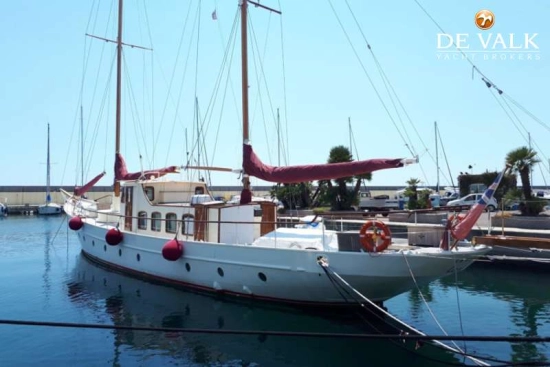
187	224
123	195
155	221
171	223
150	193
142	220
199	190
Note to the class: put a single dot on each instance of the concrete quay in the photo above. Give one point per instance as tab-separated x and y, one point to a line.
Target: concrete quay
22	209
36	195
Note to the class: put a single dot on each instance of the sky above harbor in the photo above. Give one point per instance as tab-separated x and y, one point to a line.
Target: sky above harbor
312	63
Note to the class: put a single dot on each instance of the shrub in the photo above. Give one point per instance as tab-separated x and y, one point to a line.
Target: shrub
532	207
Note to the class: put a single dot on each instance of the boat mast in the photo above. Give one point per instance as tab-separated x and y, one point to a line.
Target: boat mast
48	197
81	145
244	72
349	133
436	158
278	138
118	89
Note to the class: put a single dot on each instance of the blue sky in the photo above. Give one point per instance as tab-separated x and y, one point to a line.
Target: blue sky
42	66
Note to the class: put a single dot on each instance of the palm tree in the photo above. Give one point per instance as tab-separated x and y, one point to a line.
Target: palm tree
345	199
522	160
412	193
339	154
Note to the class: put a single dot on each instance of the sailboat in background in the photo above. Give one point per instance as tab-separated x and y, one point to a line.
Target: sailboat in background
49	208
4	208
176	233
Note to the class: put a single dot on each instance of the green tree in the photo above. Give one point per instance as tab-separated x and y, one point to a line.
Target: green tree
293	196
412	193
338	195
522	160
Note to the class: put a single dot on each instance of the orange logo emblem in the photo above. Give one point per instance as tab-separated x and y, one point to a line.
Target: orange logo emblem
484	19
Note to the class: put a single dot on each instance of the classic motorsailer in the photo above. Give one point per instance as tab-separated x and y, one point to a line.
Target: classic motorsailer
173	231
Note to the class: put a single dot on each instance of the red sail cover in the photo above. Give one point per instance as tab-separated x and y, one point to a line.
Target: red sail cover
79	191
253	166
461	230
122	174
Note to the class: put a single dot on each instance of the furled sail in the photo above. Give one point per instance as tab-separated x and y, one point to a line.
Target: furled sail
253	166
81	190
122	174
462	228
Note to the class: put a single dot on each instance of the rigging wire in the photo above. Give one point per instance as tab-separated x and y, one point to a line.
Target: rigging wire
151	46
446	160
385	80
539	150
286	156
391	92
85	63
258	65
224	66
371	81
104	101
195	105
228	84
223	44
484	77
134	111
261	62
169	97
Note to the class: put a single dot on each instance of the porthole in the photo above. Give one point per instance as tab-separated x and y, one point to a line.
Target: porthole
220	272
105	248
262	277
93	243
83	238
119	252
138	257
187	267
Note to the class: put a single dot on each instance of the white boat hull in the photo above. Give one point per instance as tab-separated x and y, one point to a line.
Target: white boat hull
275	274
50	209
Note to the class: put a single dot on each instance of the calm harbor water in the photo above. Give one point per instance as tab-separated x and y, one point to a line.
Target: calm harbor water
45	278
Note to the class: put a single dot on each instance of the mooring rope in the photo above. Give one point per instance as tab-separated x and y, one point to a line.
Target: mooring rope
322	262
531	339
427	305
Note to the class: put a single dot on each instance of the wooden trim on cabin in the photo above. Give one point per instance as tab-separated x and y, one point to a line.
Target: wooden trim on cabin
269	214
200	222
128	213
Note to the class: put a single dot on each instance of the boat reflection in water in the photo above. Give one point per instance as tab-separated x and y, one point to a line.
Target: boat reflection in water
133	302
511	301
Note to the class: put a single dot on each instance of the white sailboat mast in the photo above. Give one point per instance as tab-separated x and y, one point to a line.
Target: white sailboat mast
48	196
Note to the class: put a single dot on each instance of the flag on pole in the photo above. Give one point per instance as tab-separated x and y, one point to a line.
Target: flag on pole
214	15
461	230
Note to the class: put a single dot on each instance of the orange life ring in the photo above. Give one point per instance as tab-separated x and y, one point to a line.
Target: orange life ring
374	236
